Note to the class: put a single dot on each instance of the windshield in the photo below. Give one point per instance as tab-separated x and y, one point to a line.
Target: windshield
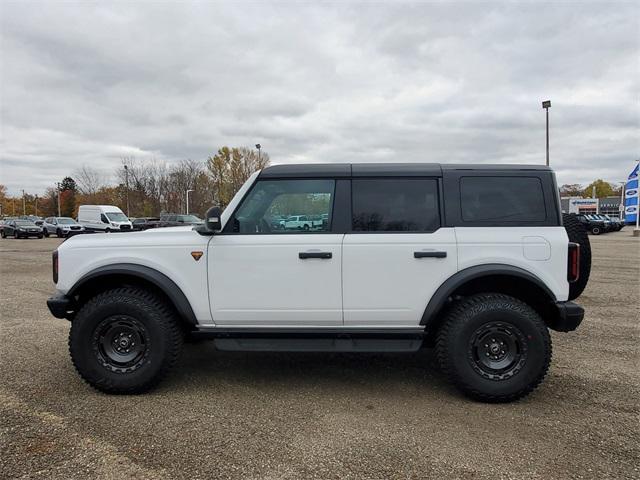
25	223
190	218
66	220
117	217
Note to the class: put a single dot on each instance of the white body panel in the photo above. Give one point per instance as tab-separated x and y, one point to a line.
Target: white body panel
541	251
166	250
90	217
259	280
384	285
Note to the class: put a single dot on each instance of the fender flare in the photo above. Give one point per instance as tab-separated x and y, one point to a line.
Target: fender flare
442	294
156	278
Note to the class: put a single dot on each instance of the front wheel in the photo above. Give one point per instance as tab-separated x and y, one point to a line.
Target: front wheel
46	233
125	340
494	348
596	230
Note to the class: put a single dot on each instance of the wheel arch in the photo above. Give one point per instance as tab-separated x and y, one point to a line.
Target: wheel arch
490	278
108	276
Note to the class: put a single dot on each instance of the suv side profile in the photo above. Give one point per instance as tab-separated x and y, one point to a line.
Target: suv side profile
472	260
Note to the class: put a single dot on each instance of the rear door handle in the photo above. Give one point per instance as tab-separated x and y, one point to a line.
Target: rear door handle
432	254
322	255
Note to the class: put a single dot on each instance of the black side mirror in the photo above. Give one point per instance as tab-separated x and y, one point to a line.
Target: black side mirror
212	221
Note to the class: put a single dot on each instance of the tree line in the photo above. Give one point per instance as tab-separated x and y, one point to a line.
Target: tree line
146	188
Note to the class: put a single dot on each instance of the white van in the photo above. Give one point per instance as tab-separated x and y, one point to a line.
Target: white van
103	218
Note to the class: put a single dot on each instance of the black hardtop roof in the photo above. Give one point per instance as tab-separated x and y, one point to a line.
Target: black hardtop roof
385	169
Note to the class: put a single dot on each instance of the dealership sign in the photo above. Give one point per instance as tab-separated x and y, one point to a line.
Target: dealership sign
631	196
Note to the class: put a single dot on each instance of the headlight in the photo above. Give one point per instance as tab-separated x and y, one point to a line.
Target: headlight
114	225
21	229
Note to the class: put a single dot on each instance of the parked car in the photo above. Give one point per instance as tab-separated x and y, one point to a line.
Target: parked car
594	225
618	224
4	221
303	222
61	227
33	218
145	223
177	220
103	218
20	228
414	255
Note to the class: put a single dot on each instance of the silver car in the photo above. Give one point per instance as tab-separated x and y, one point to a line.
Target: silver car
61	226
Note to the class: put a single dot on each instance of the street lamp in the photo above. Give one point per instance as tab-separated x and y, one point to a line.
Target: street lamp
258	146
546	105
188	200
126	183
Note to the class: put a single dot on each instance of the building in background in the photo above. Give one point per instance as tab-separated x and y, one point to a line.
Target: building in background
579	205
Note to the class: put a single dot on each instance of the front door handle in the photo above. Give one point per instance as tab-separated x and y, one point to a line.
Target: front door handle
432	254
322	255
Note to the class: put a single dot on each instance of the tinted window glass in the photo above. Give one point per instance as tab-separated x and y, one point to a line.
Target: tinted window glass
286	206
502	199
395	205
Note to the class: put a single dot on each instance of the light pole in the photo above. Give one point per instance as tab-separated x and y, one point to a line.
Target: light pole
24	204
188	200
126	185
546	105
59	199
258	146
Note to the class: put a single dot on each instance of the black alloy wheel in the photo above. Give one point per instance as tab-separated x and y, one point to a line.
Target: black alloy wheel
121	343
497	350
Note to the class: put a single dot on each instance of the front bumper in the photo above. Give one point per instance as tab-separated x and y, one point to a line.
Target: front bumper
60	306
568	318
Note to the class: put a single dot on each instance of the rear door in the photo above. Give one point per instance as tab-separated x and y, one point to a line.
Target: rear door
397	254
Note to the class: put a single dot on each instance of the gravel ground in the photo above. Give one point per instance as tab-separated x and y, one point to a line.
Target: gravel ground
262	415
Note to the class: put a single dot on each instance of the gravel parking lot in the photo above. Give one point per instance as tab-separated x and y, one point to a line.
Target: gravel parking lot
262	415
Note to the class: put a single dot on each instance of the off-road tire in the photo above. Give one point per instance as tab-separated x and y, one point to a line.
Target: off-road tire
578	233
163	340
460	361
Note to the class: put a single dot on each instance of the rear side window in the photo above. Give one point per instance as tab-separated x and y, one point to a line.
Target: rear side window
502	199
395	205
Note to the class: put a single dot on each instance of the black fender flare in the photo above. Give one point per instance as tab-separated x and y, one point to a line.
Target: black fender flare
158	279
442	294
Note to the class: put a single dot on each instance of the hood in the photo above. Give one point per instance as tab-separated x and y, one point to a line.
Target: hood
185	236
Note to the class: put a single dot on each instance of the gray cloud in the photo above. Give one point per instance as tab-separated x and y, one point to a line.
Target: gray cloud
89	83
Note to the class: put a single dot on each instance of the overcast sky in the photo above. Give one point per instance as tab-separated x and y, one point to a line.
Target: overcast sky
91	82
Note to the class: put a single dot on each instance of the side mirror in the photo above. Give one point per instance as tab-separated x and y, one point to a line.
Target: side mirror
212	220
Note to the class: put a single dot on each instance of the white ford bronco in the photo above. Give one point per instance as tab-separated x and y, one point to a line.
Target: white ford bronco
475	261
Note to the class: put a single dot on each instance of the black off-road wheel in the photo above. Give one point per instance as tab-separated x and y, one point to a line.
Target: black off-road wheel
124	341
578	233
493	348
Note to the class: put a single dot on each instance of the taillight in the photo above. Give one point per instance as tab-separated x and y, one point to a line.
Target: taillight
573	267
55	266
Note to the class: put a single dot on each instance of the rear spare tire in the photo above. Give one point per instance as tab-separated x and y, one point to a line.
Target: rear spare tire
578	234
125	340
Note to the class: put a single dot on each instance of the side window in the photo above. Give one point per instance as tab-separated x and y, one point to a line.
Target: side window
502	199
395	205
103	218
172	218
284	206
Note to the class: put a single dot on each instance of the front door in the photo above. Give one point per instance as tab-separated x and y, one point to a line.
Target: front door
397	254
265	271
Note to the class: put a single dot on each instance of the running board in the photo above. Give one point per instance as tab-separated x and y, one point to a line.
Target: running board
314	339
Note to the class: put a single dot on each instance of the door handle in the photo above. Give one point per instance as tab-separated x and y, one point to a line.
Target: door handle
322	255
432	254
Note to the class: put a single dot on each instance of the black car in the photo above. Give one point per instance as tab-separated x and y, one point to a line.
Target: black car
593	224
615	222
176	220
145	223
21	229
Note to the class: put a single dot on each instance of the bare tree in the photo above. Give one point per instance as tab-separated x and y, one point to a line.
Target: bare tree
89	180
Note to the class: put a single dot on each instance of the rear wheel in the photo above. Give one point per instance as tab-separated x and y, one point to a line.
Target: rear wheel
124	340
2	234
578	234
595	230
494	348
